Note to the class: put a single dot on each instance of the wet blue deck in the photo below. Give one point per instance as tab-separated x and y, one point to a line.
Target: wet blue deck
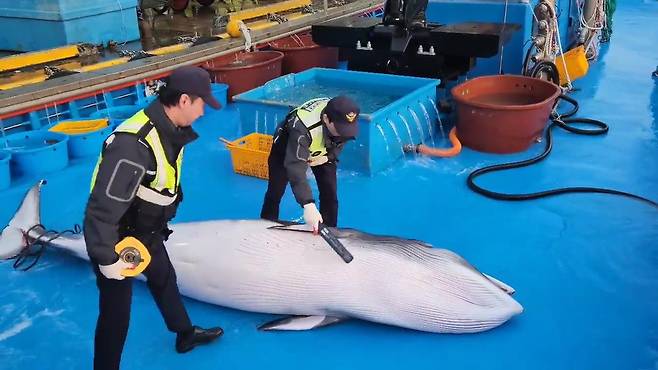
585	266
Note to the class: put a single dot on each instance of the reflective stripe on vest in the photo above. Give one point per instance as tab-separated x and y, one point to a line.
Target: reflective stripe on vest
166	176
310	113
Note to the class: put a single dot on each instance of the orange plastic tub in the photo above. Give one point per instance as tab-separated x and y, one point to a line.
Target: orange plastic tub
245	71
301	53
503	114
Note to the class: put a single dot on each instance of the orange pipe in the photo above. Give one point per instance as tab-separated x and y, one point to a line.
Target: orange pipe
456	147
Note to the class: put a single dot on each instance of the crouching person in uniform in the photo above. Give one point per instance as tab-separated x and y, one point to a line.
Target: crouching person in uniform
311	135
135	192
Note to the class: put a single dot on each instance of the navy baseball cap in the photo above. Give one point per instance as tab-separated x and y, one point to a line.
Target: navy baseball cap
194	81
343	112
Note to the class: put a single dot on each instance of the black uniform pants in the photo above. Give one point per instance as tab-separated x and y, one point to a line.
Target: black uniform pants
114	307
325	175
413	10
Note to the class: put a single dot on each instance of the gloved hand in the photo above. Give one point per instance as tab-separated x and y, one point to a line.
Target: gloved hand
312	217
318	161
114	270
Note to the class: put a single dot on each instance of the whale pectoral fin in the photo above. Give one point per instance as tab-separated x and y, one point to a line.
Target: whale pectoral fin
286	223
301	323
504	287
291	227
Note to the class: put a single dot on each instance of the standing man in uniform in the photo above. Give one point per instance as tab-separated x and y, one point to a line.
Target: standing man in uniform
135	192
311	135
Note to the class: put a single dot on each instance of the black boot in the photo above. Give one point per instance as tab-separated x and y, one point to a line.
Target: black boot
185	342
414	14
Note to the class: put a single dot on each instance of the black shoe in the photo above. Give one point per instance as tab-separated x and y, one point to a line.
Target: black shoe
185	342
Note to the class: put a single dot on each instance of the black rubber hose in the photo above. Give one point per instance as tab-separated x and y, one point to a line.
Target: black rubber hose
41	242
558	121
526	60
574	108
546	67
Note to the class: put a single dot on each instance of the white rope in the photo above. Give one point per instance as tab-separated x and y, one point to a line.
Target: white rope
564	63
593	25
594	19
532	10
124	28
47	116
502	46
247	36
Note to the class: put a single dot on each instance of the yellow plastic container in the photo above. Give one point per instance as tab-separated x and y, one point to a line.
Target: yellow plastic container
80	127
577	64
249	154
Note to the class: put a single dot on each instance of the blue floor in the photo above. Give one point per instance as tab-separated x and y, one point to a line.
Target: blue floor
585	267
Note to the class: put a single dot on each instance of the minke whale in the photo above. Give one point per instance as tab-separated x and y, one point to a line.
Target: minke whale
249	265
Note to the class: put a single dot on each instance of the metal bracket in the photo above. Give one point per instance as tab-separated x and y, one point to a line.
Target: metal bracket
421	51
367	47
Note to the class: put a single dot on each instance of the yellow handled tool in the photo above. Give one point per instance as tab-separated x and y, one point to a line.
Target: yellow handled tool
133	251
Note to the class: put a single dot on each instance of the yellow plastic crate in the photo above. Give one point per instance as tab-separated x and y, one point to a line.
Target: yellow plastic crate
79	127
249	154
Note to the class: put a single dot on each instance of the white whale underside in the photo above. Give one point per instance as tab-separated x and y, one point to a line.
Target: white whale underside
248	266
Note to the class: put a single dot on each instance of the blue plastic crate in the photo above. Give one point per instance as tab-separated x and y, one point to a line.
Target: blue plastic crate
119	112
43	24
116	105
38	119
99	105
106	101
395	110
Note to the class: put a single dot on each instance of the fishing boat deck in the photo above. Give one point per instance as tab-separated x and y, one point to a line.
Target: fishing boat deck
585	266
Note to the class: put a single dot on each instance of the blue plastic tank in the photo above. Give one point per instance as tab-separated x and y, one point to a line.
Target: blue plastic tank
35	153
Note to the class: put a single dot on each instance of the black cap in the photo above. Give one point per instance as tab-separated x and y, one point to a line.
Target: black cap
343	112
194	81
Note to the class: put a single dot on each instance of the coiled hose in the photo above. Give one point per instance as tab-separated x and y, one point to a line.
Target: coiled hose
565	123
